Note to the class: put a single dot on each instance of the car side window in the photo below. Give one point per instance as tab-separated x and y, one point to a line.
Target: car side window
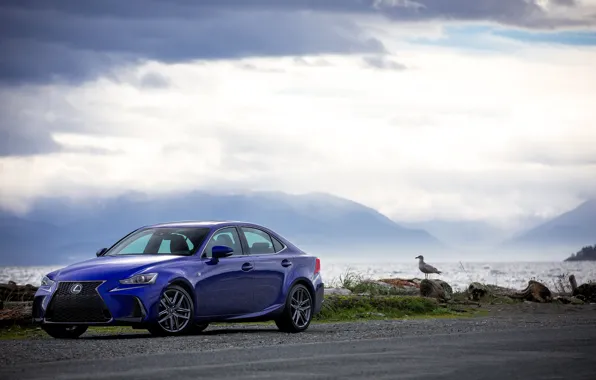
259	242
226	236
277	245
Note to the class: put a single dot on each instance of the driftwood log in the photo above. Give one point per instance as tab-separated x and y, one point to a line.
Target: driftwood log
585	292
16	313
436	289
535	292
14	292
477	291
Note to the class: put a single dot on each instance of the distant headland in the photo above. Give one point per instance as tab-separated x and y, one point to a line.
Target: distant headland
585	254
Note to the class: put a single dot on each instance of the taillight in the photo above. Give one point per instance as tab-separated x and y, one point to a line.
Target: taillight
317	265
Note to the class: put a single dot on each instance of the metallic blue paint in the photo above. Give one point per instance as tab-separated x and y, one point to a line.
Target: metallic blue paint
242	287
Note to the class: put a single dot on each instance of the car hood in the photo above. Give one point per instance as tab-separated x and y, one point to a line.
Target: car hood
111	267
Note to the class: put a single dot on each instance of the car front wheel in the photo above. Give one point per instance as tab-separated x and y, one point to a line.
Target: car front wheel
64	332
175	313
297	313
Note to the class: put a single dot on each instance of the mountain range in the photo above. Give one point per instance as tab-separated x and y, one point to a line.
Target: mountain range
567	233
57	231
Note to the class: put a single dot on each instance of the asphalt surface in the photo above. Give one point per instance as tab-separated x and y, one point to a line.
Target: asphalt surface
553	344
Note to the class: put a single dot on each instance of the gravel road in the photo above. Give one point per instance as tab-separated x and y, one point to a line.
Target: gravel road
18	355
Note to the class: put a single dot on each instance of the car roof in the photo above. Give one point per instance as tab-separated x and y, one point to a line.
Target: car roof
200	223
219	224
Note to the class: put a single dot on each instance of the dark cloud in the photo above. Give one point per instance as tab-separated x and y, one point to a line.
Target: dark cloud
566	3
73	40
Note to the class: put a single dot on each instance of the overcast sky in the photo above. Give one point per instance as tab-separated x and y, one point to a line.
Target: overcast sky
460	109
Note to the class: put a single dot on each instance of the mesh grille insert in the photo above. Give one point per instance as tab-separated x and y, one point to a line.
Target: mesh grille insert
84	306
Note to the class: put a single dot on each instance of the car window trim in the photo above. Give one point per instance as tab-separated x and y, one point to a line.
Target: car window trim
271	236
203	251
140	229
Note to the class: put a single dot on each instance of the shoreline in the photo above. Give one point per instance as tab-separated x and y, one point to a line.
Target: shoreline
356	297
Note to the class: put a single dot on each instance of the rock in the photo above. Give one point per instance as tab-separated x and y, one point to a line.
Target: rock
436	289
476	291
338	291
587	291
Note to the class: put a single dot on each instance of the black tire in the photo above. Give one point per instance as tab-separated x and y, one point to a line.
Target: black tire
286	321
64	331
158	329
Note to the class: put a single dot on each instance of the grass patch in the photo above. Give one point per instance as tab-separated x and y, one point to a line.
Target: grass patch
351	308
335	309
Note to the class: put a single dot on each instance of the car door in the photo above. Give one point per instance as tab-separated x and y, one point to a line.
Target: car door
224	285
270	267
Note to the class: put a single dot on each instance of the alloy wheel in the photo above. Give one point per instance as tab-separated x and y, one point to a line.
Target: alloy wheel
301	307
175	311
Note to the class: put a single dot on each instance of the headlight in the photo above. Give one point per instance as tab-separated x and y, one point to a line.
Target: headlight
147	278
45	281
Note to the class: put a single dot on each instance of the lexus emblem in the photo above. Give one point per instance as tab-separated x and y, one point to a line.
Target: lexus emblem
76	289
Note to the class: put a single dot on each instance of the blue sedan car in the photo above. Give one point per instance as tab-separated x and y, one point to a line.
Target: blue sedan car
176	278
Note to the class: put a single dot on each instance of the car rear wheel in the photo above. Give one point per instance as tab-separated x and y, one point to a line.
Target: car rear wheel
175	313
297	313
64	332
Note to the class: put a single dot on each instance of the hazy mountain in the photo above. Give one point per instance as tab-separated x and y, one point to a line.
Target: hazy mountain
462	234
58	231
575	228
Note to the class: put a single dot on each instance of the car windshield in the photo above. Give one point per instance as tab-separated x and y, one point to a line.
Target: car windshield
161	240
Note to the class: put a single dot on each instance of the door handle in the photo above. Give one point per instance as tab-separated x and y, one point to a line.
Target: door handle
286	263
246	267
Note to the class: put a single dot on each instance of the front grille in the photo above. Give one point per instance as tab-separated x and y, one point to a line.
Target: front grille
85	306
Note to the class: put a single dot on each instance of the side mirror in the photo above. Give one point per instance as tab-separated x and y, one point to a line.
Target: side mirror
220	251
101	252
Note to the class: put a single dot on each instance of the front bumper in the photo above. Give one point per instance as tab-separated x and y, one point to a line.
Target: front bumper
92	303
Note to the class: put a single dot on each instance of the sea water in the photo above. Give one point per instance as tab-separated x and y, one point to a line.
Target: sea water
458	274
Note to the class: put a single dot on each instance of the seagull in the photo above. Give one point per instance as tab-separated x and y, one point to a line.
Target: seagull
426	268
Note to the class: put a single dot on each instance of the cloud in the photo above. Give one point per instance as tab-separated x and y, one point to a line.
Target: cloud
66	41
72	41
381	62
461	135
